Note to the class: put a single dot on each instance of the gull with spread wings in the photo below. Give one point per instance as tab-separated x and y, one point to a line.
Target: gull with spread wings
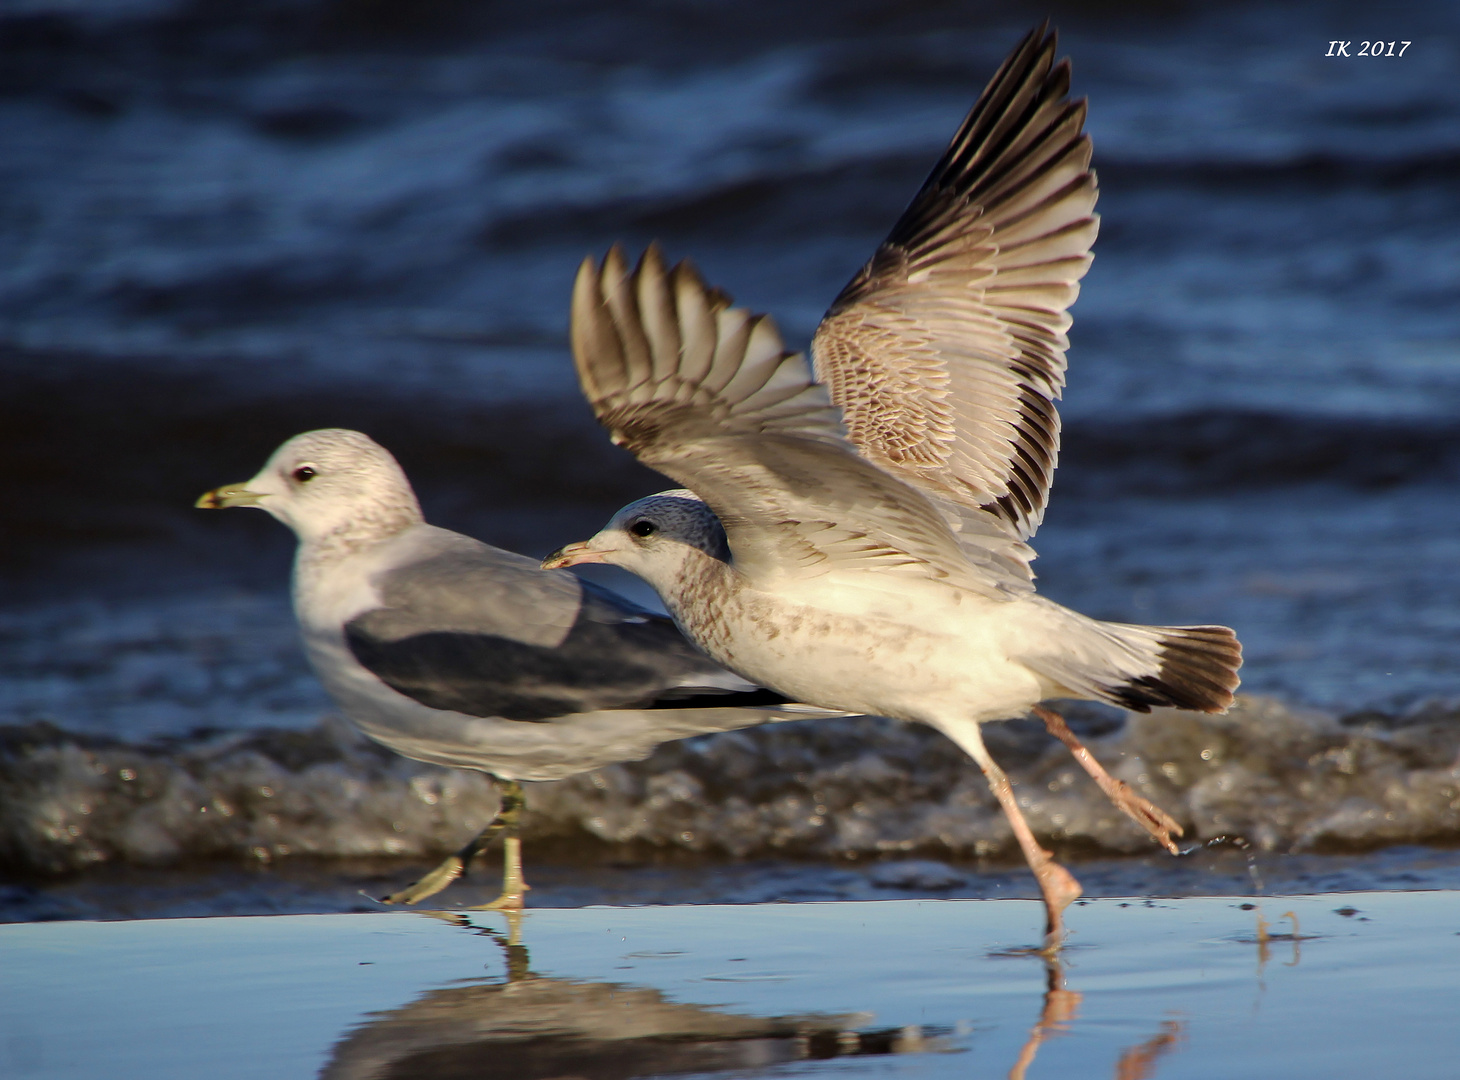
856	536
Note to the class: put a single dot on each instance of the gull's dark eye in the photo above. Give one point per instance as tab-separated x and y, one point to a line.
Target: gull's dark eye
643	528
304	473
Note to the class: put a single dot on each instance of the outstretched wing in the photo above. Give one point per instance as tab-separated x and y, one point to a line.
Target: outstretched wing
946	352
481	631
708	395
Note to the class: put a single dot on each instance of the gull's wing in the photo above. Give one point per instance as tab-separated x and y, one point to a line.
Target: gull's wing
946	352
481	631
707	395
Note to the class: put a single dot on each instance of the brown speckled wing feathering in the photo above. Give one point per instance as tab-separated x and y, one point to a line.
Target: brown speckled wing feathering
707	394
665	359
947	351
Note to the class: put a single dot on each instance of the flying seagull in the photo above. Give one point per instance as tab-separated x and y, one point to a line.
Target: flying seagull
857	537
451	651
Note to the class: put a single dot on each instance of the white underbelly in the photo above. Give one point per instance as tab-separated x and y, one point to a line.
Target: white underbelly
885	666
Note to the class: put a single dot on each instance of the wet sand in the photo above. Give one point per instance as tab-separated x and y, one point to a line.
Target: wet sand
1349	985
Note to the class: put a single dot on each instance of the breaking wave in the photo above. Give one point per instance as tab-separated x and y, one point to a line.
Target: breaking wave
1277	779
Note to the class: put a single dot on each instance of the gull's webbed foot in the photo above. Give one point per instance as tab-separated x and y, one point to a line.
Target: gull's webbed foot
507	819
1059	889
1147	815
451	868
505	902
514	887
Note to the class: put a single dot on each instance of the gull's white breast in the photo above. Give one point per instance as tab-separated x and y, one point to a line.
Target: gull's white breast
918	651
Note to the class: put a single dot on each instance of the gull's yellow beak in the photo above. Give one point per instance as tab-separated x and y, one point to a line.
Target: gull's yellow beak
232	495
573	555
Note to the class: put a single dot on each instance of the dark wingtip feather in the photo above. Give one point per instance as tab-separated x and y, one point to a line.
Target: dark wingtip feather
1198	672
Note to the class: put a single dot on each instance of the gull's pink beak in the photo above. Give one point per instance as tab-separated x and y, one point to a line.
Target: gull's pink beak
573	555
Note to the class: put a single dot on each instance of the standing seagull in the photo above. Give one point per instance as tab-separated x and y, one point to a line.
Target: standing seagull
861	542
451	651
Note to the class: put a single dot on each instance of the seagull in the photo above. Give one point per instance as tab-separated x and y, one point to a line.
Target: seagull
855	534
449	650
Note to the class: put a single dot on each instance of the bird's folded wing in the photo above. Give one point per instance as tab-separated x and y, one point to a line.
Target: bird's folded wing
708	395
946	352
480	631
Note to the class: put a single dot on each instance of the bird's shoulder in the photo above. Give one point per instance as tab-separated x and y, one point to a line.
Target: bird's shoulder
433	580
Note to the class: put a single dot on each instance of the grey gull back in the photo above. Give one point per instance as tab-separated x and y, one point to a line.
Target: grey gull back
451	651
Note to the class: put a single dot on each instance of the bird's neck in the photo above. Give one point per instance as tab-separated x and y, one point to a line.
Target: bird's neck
701	587
360	527
363	532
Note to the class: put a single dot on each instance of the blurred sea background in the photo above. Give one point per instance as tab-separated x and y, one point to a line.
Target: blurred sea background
221	225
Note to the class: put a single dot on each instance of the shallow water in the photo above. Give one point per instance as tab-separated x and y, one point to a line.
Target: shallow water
1357	985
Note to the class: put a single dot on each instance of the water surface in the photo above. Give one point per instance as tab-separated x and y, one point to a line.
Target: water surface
1355	985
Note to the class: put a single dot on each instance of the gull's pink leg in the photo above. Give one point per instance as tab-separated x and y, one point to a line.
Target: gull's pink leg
1143	812
1057	885
1060	1006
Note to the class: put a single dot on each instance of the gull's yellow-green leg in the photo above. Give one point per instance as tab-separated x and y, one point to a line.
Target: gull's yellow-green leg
513	885
509	817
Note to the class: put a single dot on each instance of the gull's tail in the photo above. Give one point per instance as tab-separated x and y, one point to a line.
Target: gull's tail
1139	667
1196	669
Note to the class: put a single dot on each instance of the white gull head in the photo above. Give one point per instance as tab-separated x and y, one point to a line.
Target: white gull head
331	487
654	538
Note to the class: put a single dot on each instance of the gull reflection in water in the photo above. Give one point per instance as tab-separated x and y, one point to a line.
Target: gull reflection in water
1061	1007
529	1026
1265	937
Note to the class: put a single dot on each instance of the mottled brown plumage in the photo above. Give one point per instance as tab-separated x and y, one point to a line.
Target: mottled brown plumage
946	352
744	421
